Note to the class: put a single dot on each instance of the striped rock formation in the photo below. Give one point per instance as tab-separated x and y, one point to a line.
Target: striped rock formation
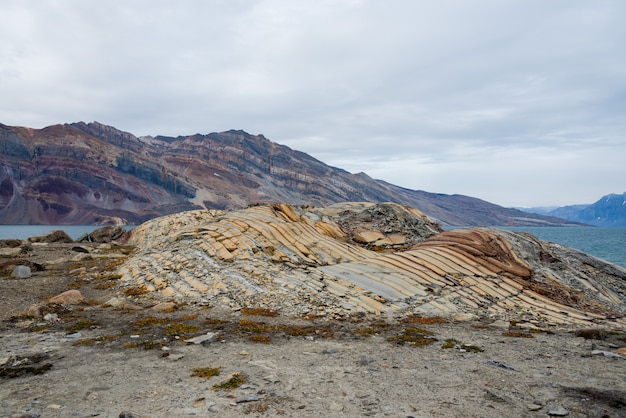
374	258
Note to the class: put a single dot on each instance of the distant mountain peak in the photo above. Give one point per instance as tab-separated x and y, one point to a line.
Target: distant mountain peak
609	210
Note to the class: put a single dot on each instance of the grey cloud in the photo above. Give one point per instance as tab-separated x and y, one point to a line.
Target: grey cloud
485	98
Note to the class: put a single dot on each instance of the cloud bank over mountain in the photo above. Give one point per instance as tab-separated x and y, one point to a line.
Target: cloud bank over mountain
516	103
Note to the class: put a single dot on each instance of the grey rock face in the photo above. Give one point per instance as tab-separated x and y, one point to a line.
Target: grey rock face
21	272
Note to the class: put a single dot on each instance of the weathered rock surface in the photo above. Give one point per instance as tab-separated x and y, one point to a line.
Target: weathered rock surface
321	261
58	236
102	235
21	272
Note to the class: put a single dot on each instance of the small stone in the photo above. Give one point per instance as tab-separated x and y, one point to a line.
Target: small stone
465	317
164	306
247	398
126	414
122	304
206	339
51	317
336	407
53	406
500	324
174	356
501	365
533	407
70	297
365	361
21	272
243	353
329	351
559	411
199	402
74	335
271	378
605	354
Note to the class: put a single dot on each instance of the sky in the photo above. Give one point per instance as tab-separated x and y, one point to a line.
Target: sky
520	103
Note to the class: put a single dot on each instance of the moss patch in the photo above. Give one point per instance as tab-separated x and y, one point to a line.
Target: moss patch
259	312
81	325
206	372
416	337
233	382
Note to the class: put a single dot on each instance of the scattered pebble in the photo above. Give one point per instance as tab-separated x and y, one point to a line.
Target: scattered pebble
199	402
336	407
271	378
501	365
559	411
605	354
206	339
247	398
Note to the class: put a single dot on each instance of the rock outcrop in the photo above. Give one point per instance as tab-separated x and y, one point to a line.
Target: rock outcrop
102	235
352	258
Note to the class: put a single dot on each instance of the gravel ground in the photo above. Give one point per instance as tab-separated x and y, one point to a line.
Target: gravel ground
93	359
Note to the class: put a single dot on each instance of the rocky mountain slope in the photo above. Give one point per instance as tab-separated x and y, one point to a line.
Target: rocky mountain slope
90	173
610	210
356	258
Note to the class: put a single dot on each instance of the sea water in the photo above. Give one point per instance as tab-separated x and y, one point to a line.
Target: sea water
605	243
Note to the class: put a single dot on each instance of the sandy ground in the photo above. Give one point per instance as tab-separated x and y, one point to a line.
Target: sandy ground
91	359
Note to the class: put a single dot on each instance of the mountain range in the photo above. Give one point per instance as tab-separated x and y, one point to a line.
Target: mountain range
609	210
91	173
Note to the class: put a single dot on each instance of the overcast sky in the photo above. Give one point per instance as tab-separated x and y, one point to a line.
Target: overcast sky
520	103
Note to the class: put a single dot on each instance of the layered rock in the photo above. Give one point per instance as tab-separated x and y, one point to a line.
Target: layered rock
361	257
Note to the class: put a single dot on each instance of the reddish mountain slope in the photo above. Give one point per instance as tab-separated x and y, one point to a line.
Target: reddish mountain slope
94	174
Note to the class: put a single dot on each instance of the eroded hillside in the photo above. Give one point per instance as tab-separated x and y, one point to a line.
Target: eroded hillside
90	173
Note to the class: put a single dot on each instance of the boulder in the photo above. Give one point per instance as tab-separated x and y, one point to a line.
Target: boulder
70	297
10	243
164	306
104	234
12	247
10	252
21	272
57	236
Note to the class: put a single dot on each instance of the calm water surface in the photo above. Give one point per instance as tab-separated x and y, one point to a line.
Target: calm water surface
606	243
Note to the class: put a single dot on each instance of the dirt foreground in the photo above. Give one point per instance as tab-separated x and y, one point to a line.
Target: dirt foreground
118	352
